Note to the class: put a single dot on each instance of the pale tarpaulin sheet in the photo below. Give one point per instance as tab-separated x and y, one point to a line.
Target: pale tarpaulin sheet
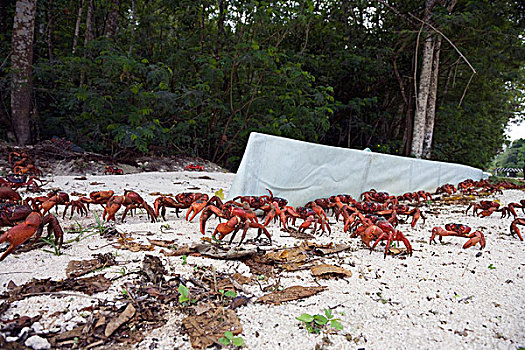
302	171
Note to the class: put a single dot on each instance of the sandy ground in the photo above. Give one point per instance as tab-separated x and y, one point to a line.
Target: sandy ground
442	297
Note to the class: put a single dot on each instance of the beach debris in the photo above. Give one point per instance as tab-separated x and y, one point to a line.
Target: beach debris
206	329
328	271
289	294
77	268
122	318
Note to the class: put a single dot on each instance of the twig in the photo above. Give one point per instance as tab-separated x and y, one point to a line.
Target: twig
60	294
465	269
465	91
447	39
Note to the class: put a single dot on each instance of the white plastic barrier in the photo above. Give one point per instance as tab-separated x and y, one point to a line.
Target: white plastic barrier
301	171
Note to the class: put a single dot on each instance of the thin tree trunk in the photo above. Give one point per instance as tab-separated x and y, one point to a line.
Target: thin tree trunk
423	89
22	60
422	98
112	22
431	103
77	26
133	16
88	36
89	32
50	24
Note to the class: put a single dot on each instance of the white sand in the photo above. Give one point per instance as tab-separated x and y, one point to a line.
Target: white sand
443	297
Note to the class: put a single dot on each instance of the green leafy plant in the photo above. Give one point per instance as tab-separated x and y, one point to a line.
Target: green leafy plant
230	339
184	294
315	323
184	259
492	267
82	233
228	293
51	241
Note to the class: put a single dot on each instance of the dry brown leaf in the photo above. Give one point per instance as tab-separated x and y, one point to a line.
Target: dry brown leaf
161	243
206	329
76	268
288	255
125	243
290	293
241	279
326	271
202	308
397	251
124	317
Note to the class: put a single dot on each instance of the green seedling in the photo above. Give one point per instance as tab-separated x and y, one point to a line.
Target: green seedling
228	293
51	241
315	323
99	224
184	294
230	339
492	267
184	259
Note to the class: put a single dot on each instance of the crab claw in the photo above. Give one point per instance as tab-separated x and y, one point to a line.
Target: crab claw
475	238
514	227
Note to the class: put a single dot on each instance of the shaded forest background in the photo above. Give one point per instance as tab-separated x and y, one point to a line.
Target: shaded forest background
196	77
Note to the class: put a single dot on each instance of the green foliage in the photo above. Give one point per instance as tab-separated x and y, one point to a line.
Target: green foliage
184	294
198	77
315	323
513	156
230	339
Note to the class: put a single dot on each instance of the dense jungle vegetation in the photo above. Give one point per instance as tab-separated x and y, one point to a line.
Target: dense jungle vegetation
197	76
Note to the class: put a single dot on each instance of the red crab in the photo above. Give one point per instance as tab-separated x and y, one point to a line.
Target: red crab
461	231
26	222
15	181
379	229
131	200
112	170
235	224
192	167
514	227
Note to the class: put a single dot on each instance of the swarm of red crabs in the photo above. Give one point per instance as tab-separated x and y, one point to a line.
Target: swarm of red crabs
373	219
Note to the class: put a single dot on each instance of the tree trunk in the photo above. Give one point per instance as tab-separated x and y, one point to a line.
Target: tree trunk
77	26
133	16
22	60
112	22
88	36
424	87
422	98
50	25
89	31
431	103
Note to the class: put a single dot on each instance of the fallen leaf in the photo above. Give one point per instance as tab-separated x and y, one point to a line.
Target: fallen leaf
326	271
288	255
89	285
124	317
289	294
76	268
397	251
323	249
160	243
127	244
153	269
202	308
206	329
241	279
